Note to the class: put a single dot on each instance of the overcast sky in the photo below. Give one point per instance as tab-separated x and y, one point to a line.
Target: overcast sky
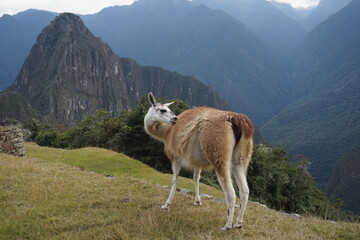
300	3
90	6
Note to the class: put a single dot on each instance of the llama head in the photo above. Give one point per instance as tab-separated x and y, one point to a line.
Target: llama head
160	112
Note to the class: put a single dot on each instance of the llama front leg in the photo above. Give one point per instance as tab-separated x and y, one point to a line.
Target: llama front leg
197	173
176	169
239	174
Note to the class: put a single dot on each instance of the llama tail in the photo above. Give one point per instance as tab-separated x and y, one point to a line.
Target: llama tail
243	130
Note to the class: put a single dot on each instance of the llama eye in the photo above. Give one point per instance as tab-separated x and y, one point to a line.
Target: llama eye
163	110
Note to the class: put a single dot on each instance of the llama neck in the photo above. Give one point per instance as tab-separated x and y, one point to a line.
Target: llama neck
158	129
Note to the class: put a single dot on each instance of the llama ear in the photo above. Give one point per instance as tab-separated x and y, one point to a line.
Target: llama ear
168	104
152	99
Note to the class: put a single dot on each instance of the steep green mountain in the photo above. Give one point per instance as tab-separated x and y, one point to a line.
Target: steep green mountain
323	121
345	179
325	9
14	106
69	72
17	35
264	20
329	54
208	44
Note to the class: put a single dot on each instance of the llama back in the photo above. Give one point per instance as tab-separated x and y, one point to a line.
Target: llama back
210	124
196	119
188	125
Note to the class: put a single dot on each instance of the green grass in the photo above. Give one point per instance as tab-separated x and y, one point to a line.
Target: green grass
110	163
64	194
7	128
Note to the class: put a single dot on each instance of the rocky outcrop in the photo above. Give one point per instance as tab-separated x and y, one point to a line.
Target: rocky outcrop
12	142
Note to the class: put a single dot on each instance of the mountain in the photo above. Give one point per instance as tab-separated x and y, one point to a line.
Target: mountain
14	106
264	20
17	34
325	9
345	179
69	72
207	44
322	122
329	54
193	40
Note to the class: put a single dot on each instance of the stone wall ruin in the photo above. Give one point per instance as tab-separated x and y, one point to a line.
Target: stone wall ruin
12	142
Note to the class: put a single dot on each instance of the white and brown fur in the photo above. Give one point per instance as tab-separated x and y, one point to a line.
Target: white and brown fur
204	138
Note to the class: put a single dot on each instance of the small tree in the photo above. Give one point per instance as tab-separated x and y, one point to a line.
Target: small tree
282	184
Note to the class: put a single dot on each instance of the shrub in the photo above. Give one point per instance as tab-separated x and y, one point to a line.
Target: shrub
46	137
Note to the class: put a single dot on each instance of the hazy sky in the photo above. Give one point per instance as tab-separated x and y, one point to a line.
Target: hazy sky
300	3
75	6
90	6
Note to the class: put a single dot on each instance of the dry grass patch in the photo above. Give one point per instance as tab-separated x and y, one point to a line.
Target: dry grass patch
52	200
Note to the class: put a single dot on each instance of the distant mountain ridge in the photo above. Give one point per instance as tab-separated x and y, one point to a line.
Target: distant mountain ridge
263	19
17	34
196	40
69	72
325	9
152	32
297	14
323	121
311	17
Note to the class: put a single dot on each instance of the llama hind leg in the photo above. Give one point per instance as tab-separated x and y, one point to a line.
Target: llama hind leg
197	173
239	174
176	170
230	197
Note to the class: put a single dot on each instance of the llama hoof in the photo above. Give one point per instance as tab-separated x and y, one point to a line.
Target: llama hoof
197	203
165	207
237	225
225	228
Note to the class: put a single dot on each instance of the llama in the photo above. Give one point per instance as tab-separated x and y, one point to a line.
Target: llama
203	138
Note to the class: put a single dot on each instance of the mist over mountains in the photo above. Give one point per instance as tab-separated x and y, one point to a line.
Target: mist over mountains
299	83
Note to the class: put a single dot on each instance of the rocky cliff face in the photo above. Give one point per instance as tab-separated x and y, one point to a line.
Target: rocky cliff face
70	72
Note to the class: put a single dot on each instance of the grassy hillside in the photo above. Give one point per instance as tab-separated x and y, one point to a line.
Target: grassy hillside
63	194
